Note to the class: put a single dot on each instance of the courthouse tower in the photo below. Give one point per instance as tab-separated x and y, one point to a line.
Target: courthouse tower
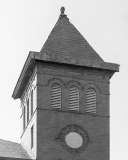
64	93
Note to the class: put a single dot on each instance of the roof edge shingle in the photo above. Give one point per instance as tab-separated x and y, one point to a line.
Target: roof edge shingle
12	150
65	39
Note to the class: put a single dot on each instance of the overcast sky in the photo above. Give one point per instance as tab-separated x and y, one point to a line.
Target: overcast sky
25	26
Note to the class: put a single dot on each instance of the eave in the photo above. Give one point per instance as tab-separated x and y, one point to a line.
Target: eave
60	59
25	74
78	61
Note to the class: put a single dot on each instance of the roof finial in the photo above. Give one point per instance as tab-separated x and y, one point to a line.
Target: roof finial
62	10
62	13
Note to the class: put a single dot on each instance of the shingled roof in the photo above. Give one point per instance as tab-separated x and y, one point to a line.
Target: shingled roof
65	45
66	40
12	150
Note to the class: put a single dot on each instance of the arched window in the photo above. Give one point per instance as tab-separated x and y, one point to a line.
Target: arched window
31	102
91	100
28	110
73	98
24	119
56	96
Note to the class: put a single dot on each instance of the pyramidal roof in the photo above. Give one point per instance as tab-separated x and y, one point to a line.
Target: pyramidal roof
65	45
66	40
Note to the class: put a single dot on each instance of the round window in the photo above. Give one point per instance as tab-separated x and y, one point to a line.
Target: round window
73	138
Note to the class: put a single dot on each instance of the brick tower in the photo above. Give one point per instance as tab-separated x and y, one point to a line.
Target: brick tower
64	93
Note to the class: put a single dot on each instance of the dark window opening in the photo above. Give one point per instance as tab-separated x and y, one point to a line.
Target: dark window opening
31	102
27	110
32	137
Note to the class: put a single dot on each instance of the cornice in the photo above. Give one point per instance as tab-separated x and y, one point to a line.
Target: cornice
25	73
60	59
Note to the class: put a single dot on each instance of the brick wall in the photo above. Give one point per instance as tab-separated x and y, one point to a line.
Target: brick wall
26	132
66	76
26	137
50	122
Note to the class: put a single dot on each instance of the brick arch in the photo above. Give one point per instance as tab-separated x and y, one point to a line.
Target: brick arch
92	85
57	81
73	83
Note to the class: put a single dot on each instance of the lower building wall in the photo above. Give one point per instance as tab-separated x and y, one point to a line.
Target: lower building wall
50	125
26	137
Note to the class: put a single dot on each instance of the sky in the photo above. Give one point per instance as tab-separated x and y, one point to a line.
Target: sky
25	26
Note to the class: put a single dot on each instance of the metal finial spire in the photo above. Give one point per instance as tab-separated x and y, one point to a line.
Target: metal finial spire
62	13
62	10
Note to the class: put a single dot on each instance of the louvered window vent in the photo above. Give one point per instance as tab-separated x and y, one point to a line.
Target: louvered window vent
91	101
56	96
73	98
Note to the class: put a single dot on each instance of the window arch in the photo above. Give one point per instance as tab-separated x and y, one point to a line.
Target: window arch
56	96
73	98
91	100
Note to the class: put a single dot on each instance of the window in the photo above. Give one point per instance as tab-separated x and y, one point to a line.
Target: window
27	110
31	102
56	96
73	98
32	137
24	117
91	100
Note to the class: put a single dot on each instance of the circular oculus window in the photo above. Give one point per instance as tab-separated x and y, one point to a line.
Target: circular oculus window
73	139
